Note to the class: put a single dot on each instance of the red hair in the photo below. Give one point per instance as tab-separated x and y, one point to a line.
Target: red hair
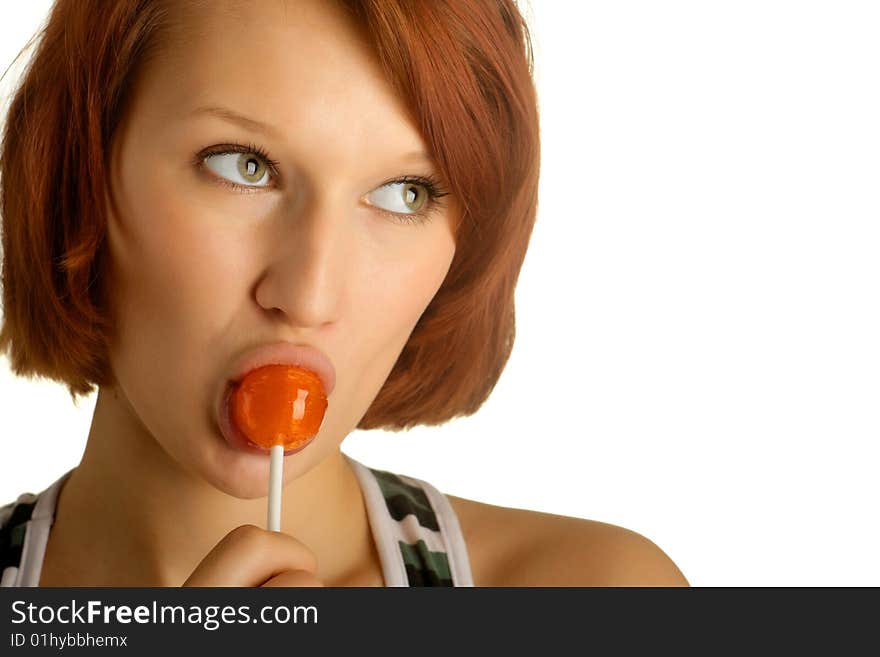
464	70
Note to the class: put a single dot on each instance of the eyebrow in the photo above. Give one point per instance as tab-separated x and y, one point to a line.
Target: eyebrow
232	116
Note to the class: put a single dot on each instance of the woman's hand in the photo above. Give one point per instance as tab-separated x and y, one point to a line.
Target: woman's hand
250	556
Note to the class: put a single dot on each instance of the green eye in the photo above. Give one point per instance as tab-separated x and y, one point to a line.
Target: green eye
404	197
246	169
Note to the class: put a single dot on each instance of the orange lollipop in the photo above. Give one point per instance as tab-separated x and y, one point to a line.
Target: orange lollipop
279	405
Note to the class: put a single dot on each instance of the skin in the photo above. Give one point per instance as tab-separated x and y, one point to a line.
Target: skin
200	273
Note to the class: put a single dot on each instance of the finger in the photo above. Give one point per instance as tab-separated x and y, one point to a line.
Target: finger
297	578
249	556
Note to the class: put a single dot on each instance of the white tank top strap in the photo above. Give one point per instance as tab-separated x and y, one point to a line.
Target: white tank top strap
26	533
415	528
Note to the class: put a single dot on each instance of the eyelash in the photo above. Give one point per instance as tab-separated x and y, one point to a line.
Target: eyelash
430	183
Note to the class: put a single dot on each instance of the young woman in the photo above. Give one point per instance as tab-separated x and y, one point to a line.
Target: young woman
193	189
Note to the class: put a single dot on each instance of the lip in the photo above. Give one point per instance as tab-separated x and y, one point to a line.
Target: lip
286	353
282	353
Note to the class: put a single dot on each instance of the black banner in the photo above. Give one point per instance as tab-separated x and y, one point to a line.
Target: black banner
416	620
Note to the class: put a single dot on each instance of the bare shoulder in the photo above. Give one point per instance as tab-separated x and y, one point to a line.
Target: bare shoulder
519	547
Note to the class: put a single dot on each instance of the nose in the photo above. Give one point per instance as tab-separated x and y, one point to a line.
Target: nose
309	256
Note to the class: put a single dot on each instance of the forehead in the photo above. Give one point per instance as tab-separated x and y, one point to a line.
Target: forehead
303	67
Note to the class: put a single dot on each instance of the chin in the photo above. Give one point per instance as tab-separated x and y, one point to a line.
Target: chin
245	474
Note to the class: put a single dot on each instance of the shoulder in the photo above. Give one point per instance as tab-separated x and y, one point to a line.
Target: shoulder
519	547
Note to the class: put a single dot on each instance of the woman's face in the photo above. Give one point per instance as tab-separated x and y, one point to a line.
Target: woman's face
315	249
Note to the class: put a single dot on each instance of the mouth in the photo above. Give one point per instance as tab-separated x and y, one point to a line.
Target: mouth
235	438
286	353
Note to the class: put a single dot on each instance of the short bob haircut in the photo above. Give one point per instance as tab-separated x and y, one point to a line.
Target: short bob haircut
464	70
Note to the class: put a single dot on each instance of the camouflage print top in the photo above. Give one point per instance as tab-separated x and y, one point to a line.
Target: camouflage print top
414	527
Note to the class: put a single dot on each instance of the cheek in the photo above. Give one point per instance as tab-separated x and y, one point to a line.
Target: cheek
165	266
395	293
172	269
175	255
388	302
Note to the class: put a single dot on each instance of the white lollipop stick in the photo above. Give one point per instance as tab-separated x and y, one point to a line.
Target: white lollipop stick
276	469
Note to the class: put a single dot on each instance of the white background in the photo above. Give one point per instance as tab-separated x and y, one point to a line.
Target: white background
697	349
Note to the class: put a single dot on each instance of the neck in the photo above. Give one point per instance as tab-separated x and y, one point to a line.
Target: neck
143	520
